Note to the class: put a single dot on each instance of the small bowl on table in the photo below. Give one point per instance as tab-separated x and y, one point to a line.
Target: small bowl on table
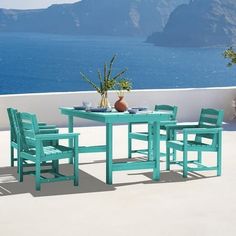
133	110
87	105
140	108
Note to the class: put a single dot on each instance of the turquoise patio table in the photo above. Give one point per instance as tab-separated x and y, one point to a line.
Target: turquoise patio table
111	118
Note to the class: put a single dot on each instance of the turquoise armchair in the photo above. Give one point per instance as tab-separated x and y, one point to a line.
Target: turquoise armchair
33	149
14	130
206	136
144	136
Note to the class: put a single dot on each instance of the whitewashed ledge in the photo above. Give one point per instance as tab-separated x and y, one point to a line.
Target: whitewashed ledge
189	102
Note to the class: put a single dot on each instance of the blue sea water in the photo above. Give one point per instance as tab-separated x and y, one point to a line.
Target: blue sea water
51	63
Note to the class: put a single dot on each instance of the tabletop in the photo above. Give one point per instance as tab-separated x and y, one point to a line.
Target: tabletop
116	117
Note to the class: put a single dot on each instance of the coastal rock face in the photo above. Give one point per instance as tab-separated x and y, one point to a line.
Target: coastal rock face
199	23
93	17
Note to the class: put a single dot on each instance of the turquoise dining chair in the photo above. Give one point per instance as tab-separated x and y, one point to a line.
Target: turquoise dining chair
32	149
206	136
14	129
144	136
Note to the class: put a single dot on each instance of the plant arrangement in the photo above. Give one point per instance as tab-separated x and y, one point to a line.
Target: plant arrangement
107	81
230	54
123	85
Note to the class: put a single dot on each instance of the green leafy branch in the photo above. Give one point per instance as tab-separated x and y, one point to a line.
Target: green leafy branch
230	54
123	85
85	78
106	80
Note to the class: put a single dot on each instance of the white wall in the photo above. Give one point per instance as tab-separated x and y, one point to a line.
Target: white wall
189	102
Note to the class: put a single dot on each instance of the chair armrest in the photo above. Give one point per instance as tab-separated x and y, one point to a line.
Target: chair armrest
47	126
169	122
164	124
202	130
48	131
42	123
180	127
205	131
44	137
171	130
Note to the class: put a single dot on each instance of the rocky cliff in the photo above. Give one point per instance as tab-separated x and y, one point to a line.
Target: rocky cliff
199	23
93	17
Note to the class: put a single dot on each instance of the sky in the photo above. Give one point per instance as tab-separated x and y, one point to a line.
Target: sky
31	4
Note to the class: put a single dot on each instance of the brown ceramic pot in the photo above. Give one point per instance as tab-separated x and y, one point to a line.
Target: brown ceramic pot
121	105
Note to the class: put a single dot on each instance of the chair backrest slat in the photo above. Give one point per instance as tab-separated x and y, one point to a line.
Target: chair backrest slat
14	127
28	127
210	118
29	133
210	111
172	110
206	125
30	142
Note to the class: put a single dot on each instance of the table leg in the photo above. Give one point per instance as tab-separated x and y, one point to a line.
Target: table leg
150	142
129	141
109	153
70	130
156	150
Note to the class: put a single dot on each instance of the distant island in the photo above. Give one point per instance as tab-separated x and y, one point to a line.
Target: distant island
201	23
93	17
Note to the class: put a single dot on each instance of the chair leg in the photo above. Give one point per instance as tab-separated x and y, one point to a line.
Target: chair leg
150	149
37	175
55	167
129	141
76	163
150	142
174	151
12	156
18	159
167	158
199	156
129	148
219	153
174	155
219	163
76	171
20	169
185	164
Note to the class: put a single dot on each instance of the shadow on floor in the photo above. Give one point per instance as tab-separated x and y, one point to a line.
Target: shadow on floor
166	177
133	159
9	184
231	126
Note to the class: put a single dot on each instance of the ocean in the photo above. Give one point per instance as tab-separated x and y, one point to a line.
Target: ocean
33	63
